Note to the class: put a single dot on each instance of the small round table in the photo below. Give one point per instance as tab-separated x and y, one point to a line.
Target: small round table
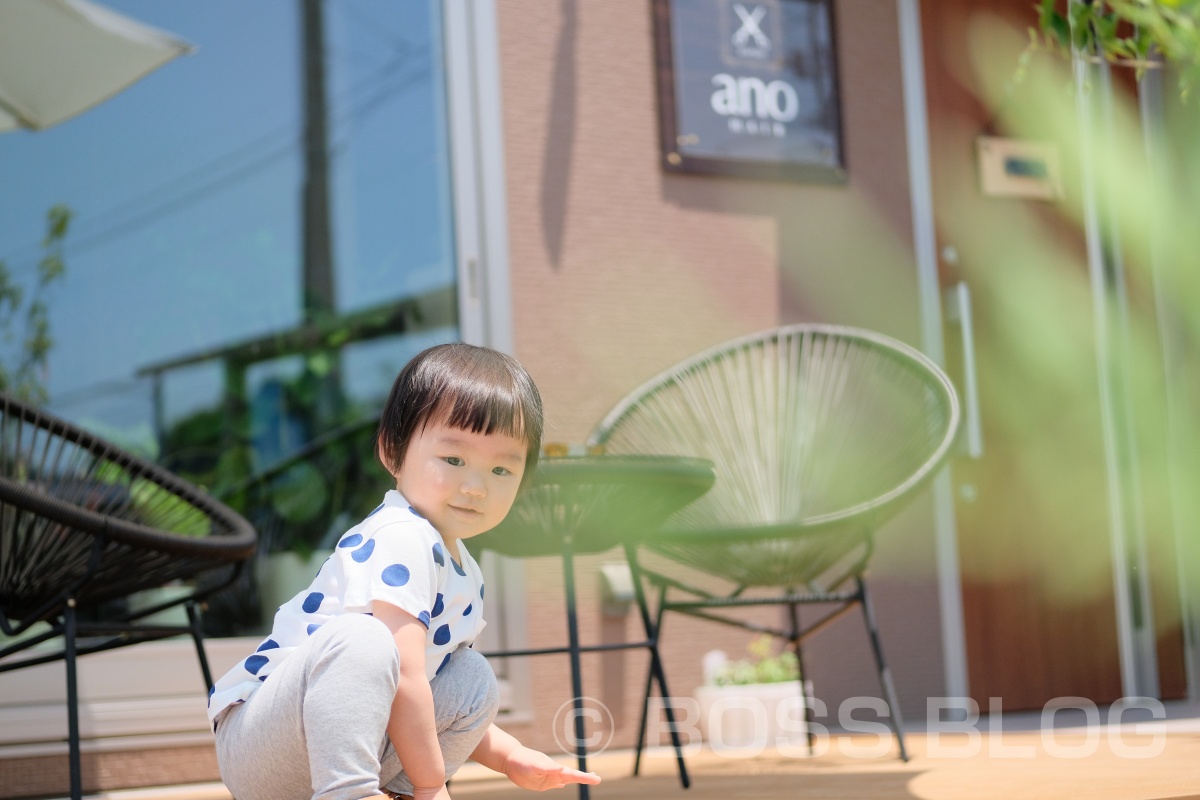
594	503
589	504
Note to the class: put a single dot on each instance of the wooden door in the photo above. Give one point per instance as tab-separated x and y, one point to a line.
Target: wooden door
1032	511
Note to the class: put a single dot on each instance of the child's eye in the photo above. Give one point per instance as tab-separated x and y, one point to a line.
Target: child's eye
454	461
502	471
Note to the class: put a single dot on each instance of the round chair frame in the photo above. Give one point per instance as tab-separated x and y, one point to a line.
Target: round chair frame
815	549
85	525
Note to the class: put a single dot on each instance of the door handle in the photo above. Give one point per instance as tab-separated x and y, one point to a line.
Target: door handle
957	302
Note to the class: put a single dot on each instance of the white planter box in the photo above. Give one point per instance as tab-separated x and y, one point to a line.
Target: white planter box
753	716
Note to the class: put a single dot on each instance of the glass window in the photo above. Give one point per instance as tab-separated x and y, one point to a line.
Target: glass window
247	267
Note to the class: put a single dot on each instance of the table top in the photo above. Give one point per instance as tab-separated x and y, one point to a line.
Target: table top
598	501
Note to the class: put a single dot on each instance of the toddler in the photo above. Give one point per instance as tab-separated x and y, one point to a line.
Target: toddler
367	686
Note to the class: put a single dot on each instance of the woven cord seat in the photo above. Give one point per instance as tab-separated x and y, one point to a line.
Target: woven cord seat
84	524
818	434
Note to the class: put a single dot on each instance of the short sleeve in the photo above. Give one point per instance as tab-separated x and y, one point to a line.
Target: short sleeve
393	564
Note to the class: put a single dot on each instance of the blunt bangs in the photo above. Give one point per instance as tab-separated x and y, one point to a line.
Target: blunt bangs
467	387
481	409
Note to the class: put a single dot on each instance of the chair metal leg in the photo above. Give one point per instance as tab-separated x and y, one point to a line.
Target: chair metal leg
885	675
794	640
198	637
645	718
76	770
656	668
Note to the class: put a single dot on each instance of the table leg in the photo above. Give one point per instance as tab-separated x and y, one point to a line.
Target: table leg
568	557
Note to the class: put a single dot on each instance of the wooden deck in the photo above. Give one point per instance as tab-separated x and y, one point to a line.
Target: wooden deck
1154	761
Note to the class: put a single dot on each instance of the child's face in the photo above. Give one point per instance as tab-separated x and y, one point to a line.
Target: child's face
464	483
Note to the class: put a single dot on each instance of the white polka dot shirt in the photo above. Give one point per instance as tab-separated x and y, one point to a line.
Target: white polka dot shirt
395	556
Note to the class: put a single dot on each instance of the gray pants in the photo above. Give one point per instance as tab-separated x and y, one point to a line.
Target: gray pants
317	727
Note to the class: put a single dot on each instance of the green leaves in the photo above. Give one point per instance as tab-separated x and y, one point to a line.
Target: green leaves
764	666
1133	33
23	369
58	218
1054	25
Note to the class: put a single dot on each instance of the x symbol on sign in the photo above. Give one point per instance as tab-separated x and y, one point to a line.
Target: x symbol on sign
750	28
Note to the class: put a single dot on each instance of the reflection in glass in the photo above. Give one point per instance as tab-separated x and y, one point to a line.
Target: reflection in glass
181	329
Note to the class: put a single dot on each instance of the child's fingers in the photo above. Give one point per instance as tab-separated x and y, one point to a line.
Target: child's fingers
575	776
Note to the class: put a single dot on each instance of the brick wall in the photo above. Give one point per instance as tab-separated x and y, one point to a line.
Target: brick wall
619	271
42	776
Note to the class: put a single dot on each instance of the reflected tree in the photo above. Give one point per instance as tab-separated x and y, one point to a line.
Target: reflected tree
24	316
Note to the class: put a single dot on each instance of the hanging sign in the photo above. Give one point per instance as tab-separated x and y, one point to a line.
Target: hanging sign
749	88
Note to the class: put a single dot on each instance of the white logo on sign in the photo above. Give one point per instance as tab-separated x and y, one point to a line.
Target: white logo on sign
752	97
749	39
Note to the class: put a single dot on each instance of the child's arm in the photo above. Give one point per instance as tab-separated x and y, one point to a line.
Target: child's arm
411	725
529	769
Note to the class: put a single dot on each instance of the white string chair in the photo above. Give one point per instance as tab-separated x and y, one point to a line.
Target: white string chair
818	434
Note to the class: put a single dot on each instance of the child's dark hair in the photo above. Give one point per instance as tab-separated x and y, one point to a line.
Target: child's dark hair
468	387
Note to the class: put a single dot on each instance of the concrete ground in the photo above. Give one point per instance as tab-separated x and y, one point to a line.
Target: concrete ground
1015	759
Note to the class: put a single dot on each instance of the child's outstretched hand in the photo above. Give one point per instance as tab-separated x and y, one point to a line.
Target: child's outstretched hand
534	770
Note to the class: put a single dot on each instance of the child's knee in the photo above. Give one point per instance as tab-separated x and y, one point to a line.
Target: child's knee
472	669
487	676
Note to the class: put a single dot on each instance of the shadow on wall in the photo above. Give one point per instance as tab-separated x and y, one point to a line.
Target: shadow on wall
840	257
560	137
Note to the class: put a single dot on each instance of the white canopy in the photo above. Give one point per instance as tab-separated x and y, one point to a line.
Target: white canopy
59	58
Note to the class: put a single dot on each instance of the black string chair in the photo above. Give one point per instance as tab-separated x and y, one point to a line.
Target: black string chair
818	434
84	525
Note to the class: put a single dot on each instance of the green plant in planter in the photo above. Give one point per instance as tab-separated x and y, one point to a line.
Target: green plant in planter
765	666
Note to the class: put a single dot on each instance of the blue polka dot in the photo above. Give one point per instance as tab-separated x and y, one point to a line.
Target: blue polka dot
212	690
458	569
481	591
438	556
312	628
415	513
363	553
423	617
442	665
312	602
351	541
269	644
467	611
395	575
442	635
260	678
378	508
255	663
438	606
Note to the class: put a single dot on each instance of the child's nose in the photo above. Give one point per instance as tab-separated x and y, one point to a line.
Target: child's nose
474	486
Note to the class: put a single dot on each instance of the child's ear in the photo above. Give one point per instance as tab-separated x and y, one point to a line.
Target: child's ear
382	454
